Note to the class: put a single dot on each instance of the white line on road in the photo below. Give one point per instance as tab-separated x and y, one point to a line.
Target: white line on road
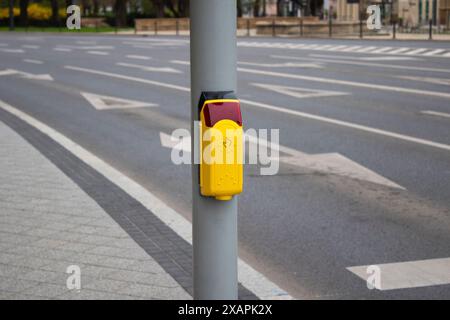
279	109
370	86
299	93
353	58
30	46
62	49
427	79
12	50
348	125
357	63
100	53
33	61
133	56
435	113
410	274
148	68
249	277
280	65
120	76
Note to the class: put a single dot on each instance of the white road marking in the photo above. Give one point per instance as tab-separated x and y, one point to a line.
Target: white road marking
101	102
348	125
33	61
410	274
278	109
347	83
249	277
331	163
366	49
30	46
62	49
394	58
416	51
432	53
353	58
381	50
132	56
86	42
435	113
358	63
148	68
299	93
26	75
100	53
12	50
446	54
427	79
399	50
280	65
124	77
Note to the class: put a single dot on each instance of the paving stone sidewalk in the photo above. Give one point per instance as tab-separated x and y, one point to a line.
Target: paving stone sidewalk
47	223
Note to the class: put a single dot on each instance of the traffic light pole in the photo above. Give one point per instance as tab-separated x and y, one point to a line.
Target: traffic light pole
214	222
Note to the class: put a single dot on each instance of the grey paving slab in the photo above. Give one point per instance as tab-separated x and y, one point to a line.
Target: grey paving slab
47	223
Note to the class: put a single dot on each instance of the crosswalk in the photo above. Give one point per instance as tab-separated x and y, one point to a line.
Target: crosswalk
424	52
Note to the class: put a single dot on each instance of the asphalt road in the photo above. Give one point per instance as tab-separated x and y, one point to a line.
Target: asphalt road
304	226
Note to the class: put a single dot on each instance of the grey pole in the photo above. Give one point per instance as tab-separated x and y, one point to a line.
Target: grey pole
214	222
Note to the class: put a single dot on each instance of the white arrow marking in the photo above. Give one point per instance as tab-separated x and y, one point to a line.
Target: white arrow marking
331	163
148	68
100	102
281	65
26	75
299	92
409	274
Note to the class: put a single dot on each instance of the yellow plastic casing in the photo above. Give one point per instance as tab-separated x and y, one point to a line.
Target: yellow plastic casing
221	157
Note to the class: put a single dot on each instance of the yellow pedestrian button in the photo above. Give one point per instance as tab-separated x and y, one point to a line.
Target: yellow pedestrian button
221	145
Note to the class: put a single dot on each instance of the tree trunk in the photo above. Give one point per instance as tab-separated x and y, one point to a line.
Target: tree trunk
23	18
159	8
120	8
256	8
96	7
239	8
55	13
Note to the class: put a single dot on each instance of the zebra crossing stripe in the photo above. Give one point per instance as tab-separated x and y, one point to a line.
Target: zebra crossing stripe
400	50
432	53
416	51
384	49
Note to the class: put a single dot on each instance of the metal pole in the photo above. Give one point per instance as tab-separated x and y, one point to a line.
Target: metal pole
11	14
430	31
394	30
360	20
177	27
330	27
273	28
214	222
301	27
